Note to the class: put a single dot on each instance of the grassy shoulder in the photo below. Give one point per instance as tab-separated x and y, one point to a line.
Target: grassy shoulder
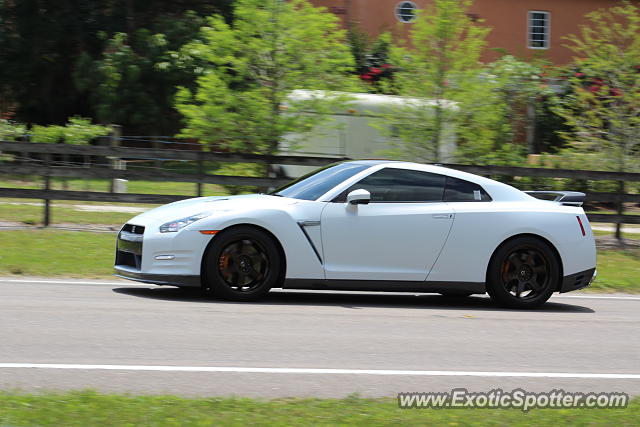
618	271
60	213
90	255
88	408
57	253
103	185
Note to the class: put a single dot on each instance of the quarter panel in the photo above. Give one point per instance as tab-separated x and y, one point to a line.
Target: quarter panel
479	228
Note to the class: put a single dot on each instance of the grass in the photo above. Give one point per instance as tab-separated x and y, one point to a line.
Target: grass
87	254
61	213
618	271
87	408
141	187
56	253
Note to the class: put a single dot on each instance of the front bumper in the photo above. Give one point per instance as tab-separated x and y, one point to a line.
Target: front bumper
145	255
578	280
158	279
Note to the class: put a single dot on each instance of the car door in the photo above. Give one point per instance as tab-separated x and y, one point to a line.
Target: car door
397	236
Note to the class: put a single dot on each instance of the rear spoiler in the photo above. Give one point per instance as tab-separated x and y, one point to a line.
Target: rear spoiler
569	198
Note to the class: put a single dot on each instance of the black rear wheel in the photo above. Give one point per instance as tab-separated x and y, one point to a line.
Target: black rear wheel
242	264
523	273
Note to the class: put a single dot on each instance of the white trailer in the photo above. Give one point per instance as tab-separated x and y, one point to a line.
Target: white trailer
349	132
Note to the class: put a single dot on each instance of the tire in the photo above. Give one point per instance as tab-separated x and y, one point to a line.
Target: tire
523	273
242	264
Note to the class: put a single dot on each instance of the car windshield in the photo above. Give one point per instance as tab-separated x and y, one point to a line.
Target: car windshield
315	184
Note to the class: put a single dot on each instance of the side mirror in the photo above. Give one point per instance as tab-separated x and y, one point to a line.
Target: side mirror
359	197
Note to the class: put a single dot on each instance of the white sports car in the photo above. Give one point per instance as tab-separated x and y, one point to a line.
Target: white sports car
369	226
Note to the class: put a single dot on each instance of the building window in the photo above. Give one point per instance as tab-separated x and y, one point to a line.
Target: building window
406	11
539	25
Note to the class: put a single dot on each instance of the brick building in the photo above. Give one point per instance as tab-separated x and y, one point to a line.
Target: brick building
523	28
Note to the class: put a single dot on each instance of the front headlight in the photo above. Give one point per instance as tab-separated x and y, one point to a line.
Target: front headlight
179	224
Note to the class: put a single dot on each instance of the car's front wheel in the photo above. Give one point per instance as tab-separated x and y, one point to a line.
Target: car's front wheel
242	264
523	273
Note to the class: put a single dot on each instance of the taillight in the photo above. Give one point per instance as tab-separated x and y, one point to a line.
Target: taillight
581	226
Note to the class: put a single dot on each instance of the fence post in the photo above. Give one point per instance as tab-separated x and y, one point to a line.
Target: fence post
47	186
155	143
619	209
200	175
114	141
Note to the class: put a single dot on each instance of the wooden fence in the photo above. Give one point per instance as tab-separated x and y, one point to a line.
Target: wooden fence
47	168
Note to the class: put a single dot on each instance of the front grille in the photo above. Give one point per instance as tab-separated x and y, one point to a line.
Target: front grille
128	259
129	246
135	229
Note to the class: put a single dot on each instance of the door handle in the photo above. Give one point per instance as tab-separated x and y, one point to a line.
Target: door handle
442	216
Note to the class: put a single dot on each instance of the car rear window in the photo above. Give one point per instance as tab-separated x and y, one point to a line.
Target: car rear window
459	190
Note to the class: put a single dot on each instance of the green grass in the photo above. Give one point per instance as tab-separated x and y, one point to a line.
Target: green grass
88	408
142	187
33	215
87	254
618	271
57	253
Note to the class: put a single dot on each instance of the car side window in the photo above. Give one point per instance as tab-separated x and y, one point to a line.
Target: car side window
459	190
392	185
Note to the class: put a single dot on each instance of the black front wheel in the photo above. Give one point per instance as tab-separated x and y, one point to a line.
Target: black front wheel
242	264
523	273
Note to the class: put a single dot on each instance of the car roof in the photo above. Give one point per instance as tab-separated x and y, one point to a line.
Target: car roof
497	190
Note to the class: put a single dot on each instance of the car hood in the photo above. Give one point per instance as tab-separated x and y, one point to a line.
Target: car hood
188	207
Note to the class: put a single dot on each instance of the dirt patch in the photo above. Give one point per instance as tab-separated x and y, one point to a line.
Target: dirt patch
610	242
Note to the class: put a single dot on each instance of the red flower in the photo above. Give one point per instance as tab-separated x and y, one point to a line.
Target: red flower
375	71
615	92
366	76
579	74
594	88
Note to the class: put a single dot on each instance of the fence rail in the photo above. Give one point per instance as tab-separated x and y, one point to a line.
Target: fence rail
47	169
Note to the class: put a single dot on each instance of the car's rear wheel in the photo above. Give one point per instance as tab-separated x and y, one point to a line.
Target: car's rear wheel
523	273
242	264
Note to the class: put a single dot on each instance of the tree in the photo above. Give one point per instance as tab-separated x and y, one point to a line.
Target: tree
437	70
56	53
602	106
133	82
243	99
77	131
603	102
495	118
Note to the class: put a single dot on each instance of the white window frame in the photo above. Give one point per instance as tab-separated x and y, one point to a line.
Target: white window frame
397	10
547	32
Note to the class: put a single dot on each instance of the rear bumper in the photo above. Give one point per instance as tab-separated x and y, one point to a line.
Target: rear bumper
158	279
578	280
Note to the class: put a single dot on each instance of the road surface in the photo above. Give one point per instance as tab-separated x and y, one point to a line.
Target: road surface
122	337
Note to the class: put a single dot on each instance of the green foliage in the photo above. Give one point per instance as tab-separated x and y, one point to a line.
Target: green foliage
76	131
10	131
602	105
243	100
442	65
133	83
494	115
60	59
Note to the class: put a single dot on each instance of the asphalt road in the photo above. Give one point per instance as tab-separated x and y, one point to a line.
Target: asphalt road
119	336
